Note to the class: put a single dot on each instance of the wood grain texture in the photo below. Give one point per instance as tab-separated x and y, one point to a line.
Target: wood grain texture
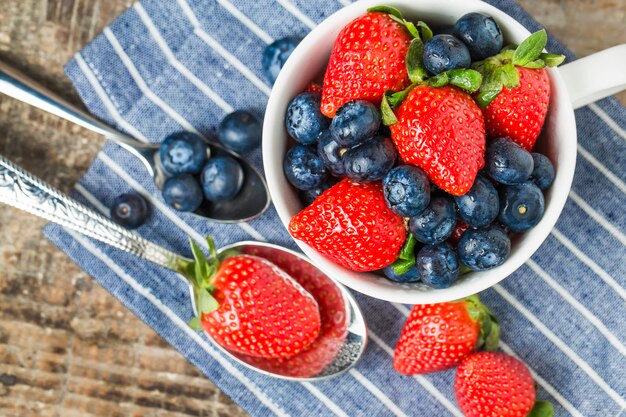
67	347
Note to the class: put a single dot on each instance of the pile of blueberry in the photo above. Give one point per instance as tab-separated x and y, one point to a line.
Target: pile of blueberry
471	230
194	175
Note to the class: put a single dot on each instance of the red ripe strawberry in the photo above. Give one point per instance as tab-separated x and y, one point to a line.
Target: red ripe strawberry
493	384
441	130
314	88
516	90
519	112
368	58
436	337
459	229
318	355
351	224
262	311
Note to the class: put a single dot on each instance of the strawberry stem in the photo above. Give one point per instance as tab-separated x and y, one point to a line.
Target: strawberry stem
489	327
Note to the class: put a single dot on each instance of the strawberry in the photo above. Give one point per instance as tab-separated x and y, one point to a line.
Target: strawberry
367	59
249	305
516	90
441	130
494	384
436	337
334	320
459	229
351	224
314	88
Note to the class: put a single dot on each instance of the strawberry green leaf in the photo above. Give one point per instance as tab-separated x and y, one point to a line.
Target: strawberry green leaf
537	63
396	99
427	33
194	323
489	336
389	118
439	80
389	10
530	49
414	61
206	302
490	88
542	409
228	253
466	79
402	266
412	29
552	60
406	257
508	75
464	270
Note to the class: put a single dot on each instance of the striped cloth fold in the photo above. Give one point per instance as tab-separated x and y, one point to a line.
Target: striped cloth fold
166	66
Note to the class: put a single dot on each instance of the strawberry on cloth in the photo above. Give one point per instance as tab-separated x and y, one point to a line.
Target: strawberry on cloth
439	336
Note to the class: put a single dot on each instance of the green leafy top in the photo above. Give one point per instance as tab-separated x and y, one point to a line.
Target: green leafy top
542	409
406	258
499	71
199	273
421	31
489	327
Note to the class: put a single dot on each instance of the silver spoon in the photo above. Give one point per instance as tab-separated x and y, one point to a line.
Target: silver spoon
343	337
252	200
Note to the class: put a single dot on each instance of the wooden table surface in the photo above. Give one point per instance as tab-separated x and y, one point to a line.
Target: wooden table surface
67	347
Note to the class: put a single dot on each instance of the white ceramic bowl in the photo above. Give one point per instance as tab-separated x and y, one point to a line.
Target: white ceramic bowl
309	61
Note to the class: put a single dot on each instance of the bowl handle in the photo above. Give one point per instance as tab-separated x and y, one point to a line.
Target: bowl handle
595	76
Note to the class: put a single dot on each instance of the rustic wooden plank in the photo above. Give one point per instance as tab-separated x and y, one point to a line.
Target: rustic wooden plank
67	348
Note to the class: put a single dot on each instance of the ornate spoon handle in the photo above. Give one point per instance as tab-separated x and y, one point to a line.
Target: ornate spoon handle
20	189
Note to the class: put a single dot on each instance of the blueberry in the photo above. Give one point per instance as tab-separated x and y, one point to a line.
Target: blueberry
436	223
303	168
130	210
445	52
481	34
407	190
370	161
521	206
479	206
182	192
240	131
275	56
507	162
304	120
438	265
330	152
222	178
482	249
309	196
412	275
543	172
183	153
355	122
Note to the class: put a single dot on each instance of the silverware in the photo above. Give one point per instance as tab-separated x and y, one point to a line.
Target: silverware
252	200
343	346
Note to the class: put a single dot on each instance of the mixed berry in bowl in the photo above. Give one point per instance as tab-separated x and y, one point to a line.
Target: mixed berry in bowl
416	158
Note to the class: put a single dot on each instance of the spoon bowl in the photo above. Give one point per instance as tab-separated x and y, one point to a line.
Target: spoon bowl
343	334
251	201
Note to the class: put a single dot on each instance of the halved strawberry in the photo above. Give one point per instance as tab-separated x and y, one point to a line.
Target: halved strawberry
516	90
439	336
441	130
251	306
368	58
351	224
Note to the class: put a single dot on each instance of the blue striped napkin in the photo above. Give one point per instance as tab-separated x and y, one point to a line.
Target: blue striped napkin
164	66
